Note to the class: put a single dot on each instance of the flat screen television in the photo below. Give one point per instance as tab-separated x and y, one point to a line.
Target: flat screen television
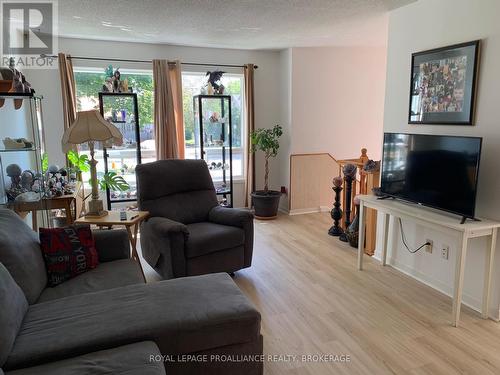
437	171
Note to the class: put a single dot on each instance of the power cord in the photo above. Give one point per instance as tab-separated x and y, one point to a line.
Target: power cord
403	238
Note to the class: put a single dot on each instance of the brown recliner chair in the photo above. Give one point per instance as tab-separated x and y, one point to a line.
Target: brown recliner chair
188	233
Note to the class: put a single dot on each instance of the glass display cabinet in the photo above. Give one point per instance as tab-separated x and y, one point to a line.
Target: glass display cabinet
23	162
213	141
121	109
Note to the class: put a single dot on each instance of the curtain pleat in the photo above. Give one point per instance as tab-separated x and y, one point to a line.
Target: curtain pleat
250	125
68	89
168	115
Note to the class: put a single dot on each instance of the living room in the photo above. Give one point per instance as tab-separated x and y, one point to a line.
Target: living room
189	265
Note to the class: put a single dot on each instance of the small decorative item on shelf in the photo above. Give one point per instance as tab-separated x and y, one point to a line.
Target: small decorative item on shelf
113	82
222	188
352	232
13	81
336	212
371	166
213	166
14	171
16	143
214	84
57	183
214	117
349	171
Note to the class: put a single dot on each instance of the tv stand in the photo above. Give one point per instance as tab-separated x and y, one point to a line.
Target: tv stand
440	221
384	197
465	218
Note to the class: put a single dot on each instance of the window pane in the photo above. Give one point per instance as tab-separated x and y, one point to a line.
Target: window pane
89	83
192	84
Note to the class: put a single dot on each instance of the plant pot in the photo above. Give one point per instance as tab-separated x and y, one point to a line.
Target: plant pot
266	204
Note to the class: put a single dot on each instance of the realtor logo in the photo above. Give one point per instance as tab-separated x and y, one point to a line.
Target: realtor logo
28	31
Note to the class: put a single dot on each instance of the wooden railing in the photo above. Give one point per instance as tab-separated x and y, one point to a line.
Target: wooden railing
310	190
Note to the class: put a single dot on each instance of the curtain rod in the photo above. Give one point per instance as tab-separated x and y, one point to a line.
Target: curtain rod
144	61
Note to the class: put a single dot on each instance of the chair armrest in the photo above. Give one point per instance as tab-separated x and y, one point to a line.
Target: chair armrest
111	244
162	245
236	217
164	226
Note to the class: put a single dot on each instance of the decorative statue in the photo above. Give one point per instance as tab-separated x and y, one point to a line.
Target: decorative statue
349	171
336	212
371	166
113	81
14	171
214	82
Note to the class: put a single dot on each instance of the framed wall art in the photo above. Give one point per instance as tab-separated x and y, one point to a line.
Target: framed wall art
443	85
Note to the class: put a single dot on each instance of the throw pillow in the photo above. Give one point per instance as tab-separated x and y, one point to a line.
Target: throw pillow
68	252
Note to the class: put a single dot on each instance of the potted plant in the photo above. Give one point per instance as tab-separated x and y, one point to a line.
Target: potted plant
266	202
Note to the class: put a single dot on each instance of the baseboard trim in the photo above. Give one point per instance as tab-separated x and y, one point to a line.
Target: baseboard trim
284	210
302	211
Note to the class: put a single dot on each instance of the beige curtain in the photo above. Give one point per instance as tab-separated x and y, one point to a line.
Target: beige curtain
250	123
168	117
68	89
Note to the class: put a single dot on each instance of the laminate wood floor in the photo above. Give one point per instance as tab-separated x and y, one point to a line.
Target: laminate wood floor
314	302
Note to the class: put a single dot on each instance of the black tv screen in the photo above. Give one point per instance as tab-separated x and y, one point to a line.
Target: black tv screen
438	171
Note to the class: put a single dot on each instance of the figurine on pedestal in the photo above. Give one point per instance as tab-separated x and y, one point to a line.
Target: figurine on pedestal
349	171
336	212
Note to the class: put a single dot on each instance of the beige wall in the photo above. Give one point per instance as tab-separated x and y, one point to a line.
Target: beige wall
429	24
338	100
335	105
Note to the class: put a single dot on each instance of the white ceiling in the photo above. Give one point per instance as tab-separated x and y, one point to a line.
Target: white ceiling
245	24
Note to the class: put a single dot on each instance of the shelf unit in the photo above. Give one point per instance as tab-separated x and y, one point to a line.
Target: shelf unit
130	153
214	141
24	122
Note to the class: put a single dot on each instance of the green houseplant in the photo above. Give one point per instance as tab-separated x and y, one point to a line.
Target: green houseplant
81	163
266	202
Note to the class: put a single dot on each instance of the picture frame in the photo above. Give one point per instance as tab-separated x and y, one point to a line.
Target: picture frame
443	85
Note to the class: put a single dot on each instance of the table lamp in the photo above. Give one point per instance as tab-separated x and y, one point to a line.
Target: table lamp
91	127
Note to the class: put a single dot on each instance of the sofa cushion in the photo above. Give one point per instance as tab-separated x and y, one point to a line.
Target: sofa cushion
182	315
107	275
205	238
68	252
20	253
13	307
134	359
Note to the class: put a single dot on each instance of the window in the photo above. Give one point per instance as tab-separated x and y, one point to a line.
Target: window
89	82
192	84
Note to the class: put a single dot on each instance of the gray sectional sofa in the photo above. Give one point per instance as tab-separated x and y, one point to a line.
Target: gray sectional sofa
108	320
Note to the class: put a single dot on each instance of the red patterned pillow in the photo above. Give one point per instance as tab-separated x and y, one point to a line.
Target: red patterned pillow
68	252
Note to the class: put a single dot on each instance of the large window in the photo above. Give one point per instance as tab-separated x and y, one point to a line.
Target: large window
89	83
192	84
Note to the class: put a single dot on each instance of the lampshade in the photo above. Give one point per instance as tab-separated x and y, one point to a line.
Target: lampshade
90	126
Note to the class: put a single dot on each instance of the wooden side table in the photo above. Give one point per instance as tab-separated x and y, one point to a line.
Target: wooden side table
63	202
134	219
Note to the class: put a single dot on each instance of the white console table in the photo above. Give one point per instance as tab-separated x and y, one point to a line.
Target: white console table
438	221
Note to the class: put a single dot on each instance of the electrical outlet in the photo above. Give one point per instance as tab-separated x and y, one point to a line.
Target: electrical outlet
445	252
428	248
